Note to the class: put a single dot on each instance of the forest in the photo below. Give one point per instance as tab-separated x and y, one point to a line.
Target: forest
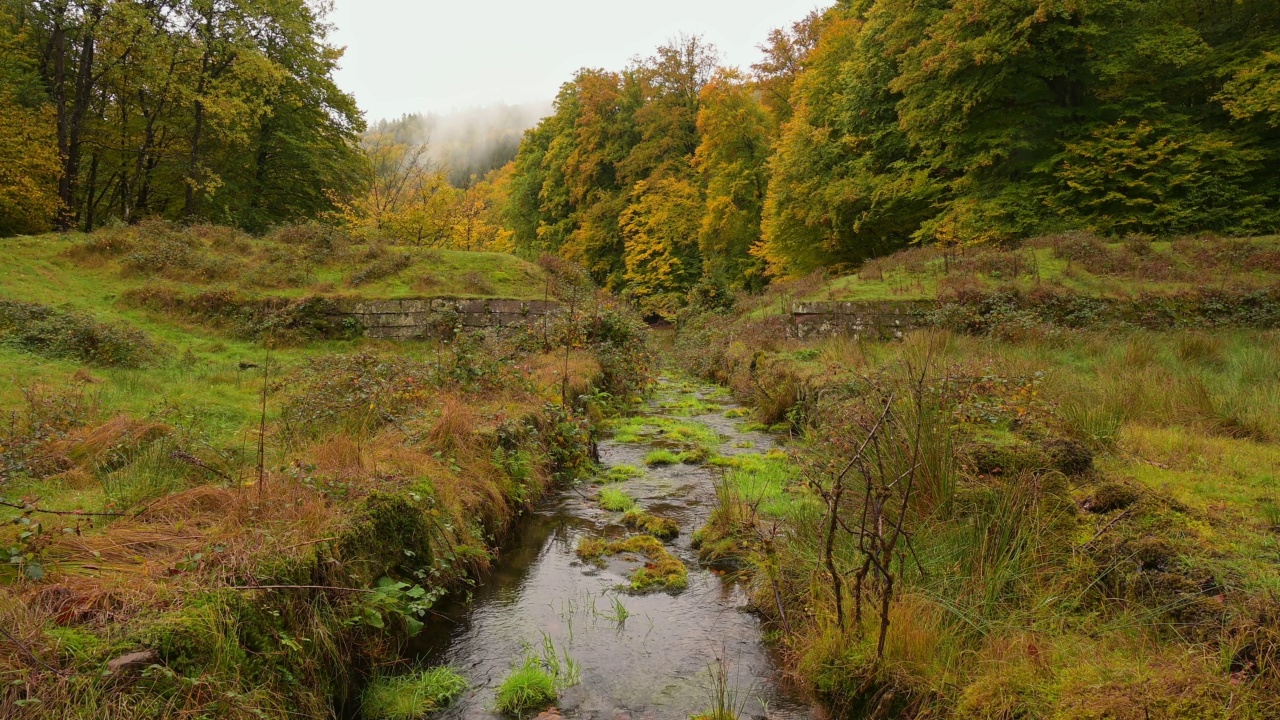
927	368
864	128
879	124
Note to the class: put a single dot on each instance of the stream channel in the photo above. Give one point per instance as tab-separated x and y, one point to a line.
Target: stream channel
657	662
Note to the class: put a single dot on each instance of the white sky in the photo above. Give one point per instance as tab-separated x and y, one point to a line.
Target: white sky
407	56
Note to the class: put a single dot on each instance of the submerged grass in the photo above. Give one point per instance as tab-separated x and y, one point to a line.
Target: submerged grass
619	473
661	457
667	432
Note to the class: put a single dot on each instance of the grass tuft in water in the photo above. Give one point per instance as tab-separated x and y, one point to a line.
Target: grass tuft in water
537	683
409	697
619	473
615	500
528	688
725	701
661	457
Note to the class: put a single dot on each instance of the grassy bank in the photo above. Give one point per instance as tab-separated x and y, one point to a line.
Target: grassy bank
199	525
1051	523
1078	262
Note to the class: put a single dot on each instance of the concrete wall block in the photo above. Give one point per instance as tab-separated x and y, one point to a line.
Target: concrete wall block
505	306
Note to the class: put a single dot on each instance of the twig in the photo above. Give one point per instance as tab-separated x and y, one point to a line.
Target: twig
35	658
309	542
32	508
296	587
262	426
188	458
1105	528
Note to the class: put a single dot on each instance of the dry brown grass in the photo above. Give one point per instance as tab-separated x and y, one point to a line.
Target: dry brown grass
455	424
337	456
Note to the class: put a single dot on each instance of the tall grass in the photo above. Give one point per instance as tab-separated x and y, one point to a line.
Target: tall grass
727	702
411	697
536	683
616	500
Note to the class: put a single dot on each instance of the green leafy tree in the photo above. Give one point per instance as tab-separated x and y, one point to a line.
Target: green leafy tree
735	133
660	228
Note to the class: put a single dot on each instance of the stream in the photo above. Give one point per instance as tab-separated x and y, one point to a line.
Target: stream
657	663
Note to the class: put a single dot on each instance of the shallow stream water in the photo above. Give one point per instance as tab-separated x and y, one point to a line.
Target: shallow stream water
656	664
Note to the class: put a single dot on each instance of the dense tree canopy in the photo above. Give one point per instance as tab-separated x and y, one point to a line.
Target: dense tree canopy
878	123
651	177
865	127
205	109
963	121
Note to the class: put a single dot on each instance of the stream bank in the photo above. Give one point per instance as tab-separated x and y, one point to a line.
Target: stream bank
641	655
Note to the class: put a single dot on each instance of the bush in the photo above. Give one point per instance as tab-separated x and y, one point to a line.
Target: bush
75	336
381	268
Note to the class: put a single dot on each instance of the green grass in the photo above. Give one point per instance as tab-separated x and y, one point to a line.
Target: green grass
615	500
684	434
661	457
410	697
528	689
38	269
619	473
688	405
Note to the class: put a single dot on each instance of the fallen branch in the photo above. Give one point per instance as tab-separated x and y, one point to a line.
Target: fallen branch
299	587
1105	528
84	513
35	658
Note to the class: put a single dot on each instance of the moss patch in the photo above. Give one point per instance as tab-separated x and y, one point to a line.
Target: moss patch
659	527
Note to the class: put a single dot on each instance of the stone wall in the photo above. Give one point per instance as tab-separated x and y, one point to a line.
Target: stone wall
881	319
437	317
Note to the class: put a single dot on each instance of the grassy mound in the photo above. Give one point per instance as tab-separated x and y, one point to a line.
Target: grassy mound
615	500
661	571
659	527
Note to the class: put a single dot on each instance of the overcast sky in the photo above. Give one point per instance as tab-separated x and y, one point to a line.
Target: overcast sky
407	56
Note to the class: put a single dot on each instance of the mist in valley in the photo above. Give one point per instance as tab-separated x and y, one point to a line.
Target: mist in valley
467	144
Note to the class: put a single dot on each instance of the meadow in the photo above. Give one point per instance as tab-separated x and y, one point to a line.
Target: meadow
251	518
1025	519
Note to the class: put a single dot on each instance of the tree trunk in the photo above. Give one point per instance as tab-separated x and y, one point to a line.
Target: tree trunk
197	130
90	191
74	131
